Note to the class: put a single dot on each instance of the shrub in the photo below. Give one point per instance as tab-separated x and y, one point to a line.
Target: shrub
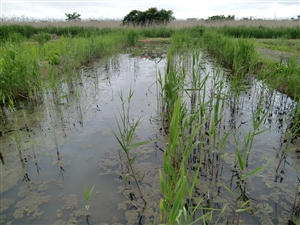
42	37
53	57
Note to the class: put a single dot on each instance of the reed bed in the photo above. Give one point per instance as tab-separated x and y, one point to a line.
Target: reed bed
236	54
27	67
176	24
82	29
193	101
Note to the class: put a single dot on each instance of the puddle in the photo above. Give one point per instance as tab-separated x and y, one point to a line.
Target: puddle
66	144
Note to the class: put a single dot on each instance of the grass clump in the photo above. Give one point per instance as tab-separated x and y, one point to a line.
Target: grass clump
42	37
236	54
19	72
132	37
282	75
184	101
53	57
24	65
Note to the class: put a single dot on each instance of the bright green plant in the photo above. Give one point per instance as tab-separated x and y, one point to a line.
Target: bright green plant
53	57
172	85
126	131
19	72
87	195
186	106
177	183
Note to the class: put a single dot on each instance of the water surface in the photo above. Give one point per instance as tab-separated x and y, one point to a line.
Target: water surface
66	144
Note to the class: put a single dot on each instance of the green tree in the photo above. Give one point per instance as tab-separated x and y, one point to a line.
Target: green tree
230	17
132	17
148	17
73	16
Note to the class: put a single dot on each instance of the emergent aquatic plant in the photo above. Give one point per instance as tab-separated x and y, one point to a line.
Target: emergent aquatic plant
126	131
87	196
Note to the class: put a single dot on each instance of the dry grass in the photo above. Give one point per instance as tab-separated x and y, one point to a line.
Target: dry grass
59	23
267	23
174	24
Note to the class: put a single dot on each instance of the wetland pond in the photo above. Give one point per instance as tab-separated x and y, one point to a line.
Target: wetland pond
52	151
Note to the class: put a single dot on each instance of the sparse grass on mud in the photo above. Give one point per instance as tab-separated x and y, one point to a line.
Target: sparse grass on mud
280	44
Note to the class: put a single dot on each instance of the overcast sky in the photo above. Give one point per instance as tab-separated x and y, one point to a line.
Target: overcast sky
117	9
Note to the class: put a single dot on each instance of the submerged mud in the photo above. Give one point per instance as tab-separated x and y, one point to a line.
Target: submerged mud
59	144
55	150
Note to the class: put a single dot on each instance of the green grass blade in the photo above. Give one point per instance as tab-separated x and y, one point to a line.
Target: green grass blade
162	183
252	173
177	203
91	191
241	162
231	192
135	145
134	157
260	132
120	142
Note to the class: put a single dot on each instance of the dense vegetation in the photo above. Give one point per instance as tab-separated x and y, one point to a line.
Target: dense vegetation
262	32
18	70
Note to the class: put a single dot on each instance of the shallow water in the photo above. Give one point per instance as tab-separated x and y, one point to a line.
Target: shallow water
66	144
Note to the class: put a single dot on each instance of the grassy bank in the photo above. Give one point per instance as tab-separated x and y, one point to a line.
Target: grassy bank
235	54
26	65
22	61
261	32
242	57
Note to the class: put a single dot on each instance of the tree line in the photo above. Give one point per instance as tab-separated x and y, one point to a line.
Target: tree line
221	17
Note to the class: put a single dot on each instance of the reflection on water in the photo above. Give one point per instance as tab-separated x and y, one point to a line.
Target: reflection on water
49	153
63	140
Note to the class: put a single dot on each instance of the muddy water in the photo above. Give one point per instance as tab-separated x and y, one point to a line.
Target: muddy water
65	144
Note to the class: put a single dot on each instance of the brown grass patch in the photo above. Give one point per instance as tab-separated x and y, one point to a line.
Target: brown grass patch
253	23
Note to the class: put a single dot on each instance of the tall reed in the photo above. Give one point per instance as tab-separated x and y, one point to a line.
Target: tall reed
236	54
192	116
125	137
